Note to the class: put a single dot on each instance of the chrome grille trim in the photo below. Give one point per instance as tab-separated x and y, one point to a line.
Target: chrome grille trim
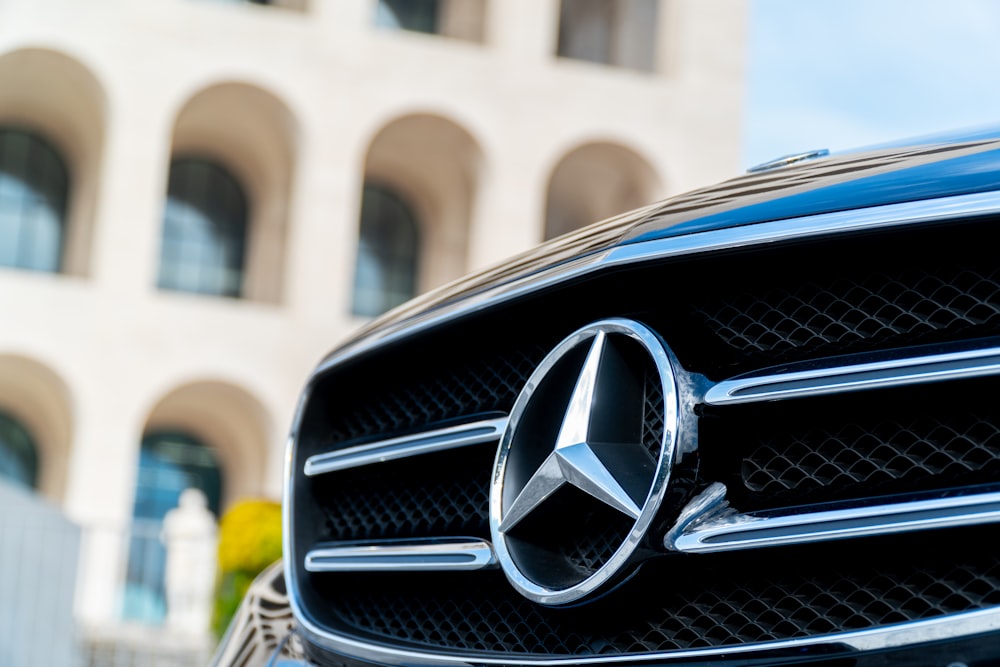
424	442
427	555
855	377
840	222
454	306
720	528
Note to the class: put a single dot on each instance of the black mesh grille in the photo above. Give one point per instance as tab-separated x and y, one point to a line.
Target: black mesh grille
576	527
879	309
763	599
425	496
415	396
652	423
598	540
882	457
881	443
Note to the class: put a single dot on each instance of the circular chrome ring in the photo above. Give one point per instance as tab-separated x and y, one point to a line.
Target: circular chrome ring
582	397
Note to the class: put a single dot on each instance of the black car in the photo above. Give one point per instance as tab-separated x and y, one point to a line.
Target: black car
756	424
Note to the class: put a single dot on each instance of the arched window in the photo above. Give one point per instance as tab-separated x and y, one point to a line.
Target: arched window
33	191
18	456
169	463
416	15
386	271
204	230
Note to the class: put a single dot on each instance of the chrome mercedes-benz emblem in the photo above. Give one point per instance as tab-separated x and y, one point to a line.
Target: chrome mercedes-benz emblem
584	462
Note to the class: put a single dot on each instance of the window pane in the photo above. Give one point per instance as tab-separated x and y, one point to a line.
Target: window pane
33	195
416	15
388	246
613	32
204	230
585	28
169	463
18	456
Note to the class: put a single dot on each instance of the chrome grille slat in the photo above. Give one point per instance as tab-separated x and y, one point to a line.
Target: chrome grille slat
444	554
721	529
855	377
424	442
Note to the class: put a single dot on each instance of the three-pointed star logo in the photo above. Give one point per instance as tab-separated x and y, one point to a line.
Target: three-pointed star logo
575	460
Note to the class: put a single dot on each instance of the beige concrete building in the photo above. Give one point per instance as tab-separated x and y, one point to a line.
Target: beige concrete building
181	190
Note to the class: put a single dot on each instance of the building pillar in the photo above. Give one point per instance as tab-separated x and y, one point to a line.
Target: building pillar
131	196
523	30
324	226
510	210
100	495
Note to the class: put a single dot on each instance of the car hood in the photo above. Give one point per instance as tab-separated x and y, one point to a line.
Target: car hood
854	180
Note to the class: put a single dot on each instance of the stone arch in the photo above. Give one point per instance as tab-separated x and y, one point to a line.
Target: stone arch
595	181
227	418
34	395
436	165
253	134
56	96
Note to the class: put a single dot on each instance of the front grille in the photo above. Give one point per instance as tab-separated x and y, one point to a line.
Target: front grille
925	304
878	458
427	389
786	303
765	599
428	496
880	443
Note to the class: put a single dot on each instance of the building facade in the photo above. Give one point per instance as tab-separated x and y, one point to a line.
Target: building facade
199	198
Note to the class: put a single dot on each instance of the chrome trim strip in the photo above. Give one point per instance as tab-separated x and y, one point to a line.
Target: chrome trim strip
462	435
432	555
731	531
706	505
840	222
855	377
954	626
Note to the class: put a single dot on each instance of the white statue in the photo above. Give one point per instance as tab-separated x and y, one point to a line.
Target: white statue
189	534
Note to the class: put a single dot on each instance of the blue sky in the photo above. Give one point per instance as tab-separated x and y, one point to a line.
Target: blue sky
839	74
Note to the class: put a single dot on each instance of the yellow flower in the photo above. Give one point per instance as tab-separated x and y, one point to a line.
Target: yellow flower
250	536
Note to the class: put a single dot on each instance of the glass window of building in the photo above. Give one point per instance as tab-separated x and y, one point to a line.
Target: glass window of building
204	230
386	271
459	19
612	32
415	15
34	188
169	463
18	455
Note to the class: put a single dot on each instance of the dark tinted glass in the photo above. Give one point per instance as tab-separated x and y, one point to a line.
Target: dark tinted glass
416	15
386	271
204	230
33	192
18	456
